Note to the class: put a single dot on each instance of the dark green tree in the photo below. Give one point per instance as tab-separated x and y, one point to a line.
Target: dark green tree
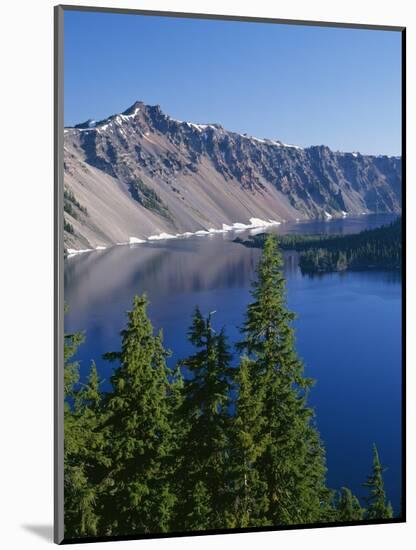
85	478
72	436
202	475
293	463
140	435
83	444
249	439
377	505
348	507
72	341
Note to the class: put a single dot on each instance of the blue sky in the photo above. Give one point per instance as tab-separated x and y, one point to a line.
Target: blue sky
299	84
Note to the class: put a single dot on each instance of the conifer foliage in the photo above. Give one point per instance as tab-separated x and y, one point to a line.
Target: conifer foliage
211	443
140	434
249	440
377	505
84	439
292	463
348	507
204	413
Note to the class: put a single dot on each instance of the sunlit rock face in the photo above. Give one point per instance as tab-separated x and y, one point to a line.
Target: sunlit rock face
142	174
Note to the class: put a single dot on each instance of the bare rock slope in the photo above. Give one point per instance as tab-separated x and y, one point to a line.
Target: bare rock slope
143	173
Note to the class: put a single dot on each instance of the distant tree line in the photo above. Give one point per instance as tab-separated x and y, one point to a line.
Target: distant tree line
71	205
148	198
204	445
73	208
379	248
68	227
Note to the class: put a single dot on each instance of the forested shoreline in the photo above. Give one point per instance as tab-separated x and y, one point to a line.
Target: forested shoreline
379	248
204	445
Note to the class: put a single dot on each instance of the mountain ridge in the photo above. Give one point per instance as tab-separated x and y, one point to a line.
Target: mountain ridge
141	173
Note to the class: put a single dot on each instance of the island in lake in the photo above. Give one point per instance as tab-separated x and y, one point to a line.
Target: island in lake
379	249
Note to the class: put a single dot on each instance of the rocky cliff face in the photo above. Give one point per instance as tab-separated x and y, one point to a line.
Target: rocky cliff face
143	173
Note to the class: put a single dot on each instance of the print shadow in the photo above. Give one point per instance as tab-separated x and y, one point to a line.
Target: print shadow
43	531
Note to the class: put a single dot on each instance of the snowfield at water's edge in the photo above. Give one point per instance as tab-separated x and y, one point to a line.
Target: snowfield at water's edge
237	226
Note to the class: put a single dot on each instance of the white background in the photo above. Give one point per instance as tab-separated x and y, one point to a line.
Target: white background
26	246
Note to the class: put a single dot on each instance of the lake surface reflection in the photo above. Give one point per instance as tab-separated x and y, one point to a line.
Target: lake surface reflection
348	329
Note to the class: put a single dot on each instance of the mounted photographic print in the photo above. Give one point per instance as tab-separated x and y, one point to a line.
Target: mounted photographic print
229	274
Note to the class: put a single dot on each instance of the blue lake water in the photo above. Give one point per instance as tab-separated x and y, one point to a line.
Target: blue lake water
348	329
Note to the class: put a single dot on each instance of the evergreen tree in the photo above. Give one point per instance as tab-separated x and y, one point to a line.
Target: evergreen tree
293	463
249	439
348	507
140	499
72	341
71	434
86	461
202	481
83	443
217	448
173	459
377	505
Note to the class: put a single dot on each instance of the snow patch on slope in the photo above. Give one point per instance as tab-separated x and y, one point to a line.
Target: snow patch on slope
135	240
255	223
161	237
